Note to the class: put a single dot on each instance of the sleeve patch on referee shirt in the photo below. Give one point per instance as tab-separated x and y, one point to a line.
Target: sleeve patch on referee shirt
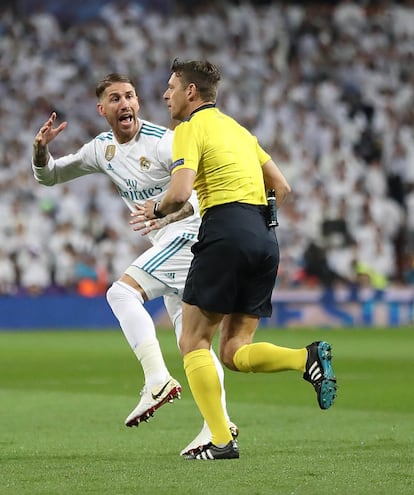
177	163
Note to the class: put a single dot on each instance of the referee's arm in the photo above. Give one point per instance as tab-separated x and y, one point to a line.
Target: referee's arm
274	179
178	192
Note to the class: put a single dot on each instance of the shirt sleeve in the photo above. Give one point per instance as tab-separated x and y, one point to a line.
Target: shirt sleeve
262	155
186	147
68	167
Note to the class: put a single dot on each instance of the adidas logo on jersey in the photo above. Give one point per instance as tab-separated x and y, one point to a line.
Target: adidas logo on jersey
109	167
170	275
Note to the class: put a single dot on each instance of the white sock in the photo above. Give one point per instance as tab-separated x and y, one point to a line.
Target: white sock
150	356
139	330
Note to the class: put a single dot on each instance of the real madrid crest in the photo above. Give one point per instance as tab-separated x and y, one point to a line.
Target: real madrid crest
110	152
144	163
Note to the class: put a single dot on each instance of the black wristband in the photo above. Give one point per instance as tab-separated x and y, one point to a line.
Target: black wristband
157	212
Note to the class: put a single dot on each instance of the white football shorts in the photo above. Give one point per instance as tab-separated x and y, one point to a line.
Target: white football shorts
162	269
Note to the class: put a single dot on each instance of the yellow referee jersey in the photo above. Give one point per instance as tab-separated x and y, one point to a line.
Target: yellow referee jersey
226	157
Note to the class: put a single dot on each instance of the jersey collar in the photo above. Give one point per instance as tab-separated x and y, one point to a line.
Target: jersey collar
203	107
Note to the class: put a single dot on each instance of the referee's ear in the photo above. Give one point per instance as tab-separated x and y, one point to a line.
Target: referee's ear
192	92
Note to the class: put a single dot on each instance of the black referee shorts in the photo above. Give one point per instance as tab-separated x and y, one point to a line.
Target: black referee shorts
235	262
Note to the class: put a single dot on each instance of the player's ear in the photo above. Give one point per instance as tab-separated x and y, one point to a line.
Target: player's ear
100	110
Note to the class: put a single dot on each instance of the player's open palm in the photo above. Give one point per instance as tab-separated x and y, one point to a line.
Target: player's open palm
47	132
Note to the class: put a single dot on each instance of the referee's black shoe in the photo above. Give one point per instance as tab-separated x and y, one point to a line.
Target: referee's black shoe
320	374
210	452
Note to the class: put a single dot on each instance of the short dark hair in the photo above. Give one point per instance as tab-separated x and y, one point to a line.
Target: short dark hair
109	79
202	73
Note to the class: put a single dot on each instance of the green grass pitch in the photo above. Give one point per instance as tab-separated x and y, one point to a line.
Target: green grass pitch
64	396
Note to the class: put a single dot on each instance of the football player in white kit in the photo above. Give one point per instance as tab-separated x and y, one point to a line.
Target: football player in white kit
136	155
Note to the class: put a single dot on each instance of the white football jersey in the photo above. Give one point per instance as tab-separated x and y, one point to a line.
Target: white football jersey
139	169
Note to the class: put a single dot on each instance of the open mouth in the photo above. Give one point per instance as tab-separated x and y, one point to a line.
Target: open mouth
126	118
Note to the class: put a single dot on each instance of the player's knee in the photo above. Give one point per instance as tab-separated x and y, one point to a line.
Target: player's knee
119	292
110	294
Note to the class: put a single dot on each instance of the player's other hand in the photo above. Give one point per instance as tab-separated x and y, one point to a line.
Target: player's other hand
140	221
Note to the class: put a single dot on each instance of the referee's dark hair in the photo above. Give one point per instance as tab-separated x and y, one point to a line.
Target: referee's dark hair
202	73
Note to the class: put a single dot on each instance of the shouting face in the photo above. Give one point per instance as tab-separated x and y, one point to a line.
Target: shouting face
119	105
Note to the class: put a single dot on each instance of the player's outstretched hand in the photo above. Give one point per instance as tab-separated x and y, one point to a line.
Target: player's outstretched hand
47	132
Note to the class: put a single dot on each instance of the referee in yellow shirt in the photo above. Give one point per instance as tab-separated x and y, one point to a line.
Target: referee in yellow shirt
233	273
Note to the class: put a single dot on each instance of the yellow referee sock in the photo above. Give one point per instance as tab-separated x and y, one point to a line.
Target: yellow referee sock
205	387
268	358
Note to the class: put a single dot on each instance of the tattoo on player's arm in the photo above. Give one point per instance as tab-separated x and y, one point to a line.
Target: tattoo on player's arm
40	155
186	211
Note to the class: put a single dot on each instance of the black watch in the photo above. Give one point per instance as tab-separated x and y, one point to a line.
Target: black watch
157	212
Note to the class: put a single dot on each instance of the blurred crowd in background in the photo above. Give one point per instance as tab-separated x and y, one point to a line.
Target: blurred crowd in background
328	88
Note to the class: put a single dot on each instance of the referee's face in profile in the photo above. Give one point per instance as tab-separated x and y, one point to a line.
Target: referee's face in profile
177	98
119	105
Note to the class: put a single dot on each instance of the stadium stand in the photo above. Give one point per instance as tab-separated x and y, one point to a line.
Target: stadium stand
326	87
